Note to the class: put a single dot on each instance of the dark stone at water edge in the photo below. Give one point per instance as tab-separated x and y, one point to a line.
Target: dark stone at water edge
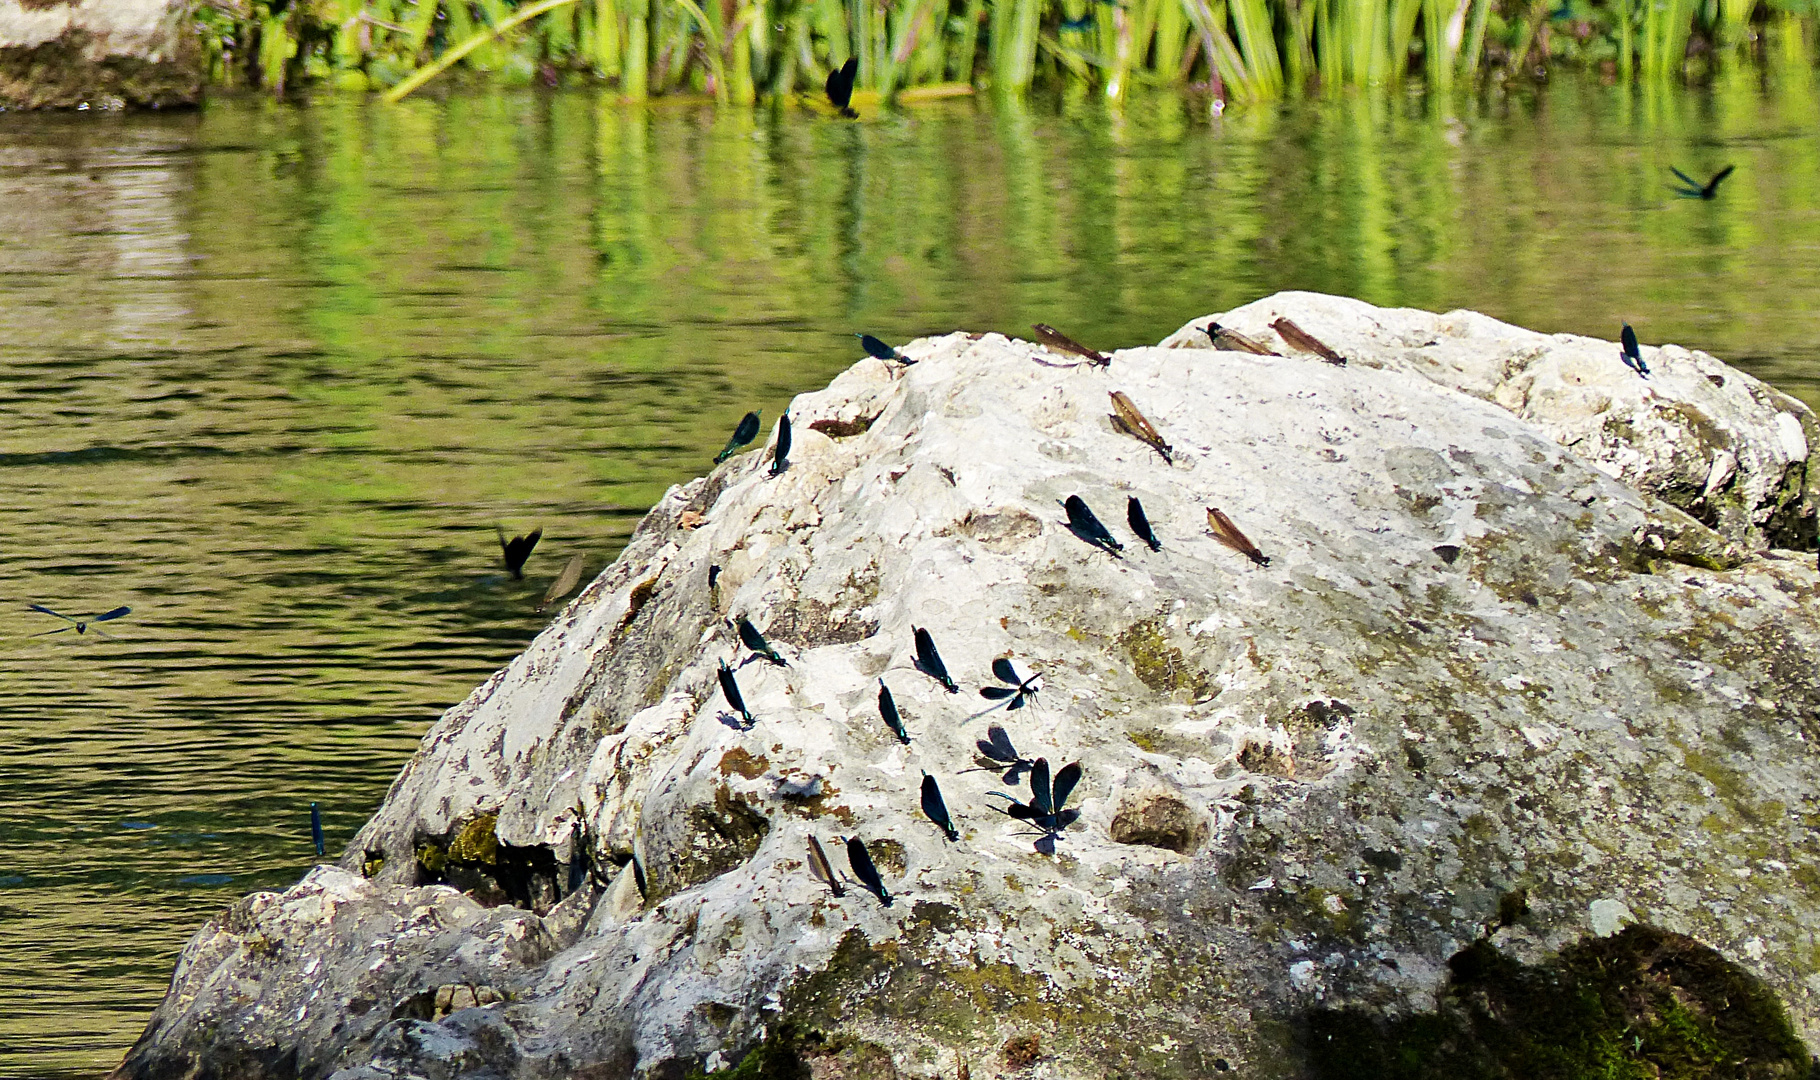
1642	1003
62	54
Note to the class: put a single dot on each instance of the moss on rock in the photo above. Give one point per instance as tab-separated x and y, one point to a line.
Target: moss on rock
1160	665
1644	1004
477	842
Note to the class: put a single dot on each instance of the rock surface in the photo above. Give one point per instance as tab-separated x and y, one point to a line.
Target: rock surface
1728	449
99	54
1492	693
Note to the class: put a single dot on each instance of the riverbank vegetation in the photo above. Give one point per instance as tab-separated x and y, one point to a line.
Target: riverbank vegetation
745	51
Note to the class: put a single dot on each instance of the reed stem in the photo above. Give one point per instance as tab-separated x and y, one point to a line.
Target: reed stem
450	58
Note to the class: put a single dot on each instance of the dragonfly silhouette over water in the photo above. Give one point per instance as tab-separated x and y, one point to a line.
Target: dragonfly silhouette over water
517	549
1695	189
83	624
839	88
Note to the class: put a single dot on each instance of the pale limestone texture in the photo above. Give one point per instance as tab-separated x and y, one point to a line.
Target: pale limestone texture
1729	449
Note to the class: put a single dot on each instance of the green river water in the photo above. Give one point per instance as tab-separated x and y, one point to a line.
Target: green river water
271	374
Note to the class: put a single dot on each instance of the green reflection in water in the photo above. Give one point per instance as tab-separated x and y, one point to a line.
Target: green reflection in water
270	375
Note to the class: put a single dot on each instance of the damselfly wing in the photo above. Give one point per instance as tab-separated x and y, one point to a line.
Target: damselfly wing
1059	342
997	747
1632	354
1224	337
1127	418
82	624
861	861
780	454
517	549
887	710
929	662
1302	340
1227	533
1020	687
749	635
730	690
1695	189
742	435
1083	524
936	809
1140	523
839	87
878	349
565	581
821	868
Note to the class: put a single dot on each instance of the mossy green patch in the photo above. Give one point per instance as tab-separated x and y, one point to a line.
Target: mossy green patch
900	981
1808	877
1160	665
1332	907
431	858
477	842
1731	785
791	1053
659	684
1645	1004
1665	544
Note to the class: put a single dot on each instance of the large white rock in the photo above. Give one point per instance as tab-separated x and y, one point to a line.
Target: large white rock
1479	665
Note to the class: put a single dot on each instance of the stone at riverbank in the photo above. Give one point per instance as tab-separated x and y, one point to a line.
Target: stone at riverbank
102	54
1492	700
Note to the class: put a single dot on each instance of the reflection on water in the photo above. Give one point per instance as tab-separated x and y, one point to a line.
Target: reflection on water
271	375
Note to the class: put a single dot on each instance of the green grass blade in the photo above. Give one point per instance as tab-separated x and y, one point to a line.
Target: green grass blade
1473	49
966	50
1298	59
714	49
1258	47
1363	32
1526	34
418	26
909	26
1172	26
1402	30
635	67
740	87
1330	53
1210	22
607	47
836	30
1627	46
